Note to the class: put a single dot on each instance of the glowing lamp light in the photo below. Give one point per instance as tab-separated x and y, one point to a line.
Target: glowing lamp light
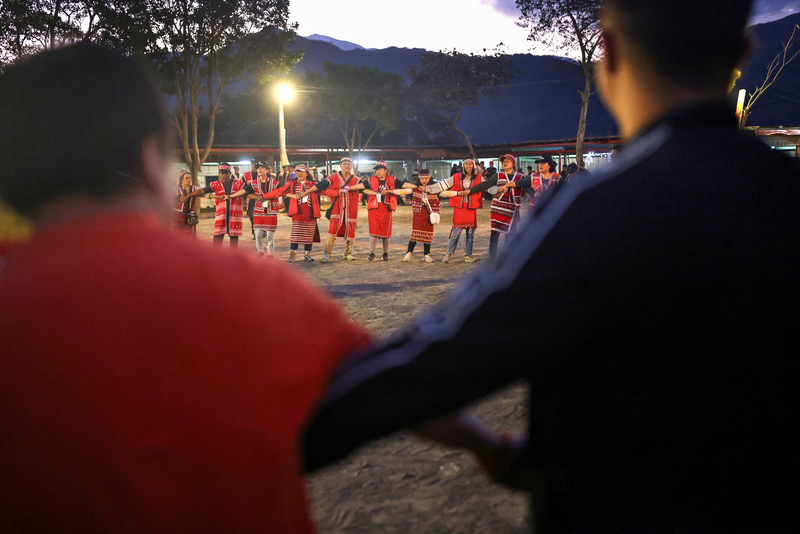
285	92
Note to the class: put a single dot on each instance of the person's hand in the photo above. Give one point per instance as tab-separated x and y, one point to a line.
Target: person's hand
184	198
503	188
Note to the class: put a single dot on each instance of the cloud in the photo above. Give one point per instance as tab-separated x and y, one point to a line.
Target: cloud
504	7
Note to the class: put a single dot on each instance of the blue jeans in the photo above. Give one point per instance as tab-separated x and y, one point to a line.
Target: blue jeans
453	243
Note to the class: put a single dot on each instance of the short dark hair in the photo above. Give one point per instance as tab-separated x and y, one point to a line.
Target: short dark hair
695	44
73	123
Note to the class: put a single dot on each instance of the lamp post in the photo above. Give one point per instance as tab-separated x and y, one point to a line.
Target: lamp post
285	94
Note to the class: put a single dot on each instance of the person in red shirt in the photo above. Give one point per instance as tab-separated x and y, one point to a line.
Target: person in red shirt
116	416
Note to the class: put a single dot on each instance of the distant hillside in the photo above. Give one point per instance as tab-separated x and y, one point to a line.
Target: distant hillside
342	45
542	102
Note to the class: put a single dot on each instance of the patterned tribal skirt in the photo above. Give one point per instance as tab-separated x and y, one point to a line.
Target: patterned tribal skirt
304	232
421	227
503	214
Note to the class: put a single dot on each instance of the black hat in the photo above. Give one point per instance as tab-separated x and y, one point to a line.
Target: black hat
380	165
225	167
262	164
547	158
424	172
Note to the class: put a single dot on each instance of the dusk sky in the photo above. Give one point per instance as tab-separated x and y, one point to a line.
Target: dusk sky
472	26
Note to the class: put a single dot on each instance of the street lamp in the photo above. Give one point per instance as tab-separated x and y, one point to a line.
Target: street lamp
285	93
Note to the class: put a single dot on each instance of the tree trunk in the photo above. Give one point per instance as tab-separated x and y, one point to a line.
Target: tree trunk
463	134
585	95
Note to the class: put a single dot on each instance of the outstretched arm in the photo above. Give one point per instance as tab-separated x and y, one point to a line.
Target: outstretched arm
197	193
279	192
483	186
521	184
439	187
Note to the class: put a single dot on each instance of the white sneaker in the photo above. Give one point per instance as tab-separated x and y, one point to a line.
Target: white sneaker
325	258
446	258
292	255
407	257
427	258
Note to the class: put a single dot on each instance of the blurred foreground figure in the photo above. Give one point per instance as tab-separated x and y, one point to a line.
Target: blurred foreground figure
121	410
653	318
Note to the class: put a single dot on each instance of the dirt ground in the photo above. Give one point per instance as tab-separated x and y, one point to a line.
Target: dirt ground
403	483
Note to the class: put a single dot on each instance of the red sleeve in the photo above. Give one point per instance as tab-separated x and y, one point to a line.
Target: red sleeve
275	193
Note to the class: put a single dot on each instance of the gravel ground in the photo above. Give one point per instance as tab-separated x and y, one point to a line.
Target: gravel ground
402	483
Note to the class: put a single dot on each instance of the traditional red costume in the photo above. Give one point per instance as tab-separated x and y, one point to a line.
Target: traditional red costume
344	213
304	212
421	227
265	212
224	222
505	207
380	212
184	209
464	215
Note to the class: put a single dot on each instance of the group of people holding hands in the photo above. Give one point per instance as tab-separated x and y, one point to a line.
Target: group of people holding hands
464	191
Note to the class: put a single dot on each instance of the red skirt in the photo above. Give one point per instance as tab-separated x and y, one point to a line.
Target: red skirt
265	222
380	222
465	218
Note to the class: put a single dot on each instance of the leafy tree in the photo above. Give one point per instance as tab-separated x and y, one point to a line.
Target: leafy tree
199	46
446	83
27	26
360	101
205	46
573	27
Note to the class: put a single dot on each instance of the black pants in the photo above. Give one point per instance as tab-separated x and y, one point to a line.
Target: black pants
251	207
494	240
426	247
234	240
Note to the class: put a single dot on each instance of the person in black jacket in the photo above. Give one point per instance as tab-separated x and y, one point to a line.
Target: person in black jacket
663	368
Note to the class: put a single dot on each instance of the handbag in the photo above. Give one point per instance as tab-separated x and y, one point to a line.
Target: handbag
432	215
192	220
